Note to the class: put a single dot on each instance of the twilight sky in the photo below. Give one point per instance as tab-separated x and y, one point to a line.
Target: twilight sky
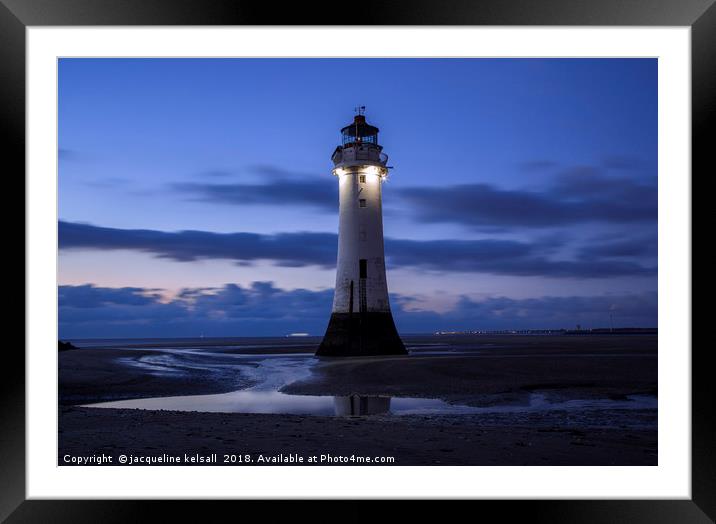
196	195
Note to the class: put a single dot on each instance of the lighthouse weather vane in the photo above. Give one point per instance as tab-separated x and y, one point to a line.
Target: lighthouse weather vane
361	322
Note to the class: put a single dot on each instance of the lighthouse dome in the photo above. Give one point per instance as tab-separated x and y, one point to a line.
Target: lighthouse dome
359	131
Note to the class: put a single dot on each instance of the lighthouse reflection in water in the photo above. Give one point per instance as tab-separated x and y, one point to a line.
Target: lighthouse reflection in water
356	405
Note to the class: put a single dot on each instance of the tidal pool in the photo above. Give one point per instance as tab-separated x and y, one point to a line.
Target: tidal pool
262	401
268	373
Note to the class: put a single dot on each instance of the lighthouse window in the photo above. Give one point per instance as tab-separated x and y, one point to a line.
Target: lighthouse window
363	268
361	179
362	203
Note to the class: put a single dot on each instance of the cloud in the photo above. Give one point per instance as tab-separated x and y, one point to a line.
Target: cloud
624	162
88	296
501	257
640	247
289	249
262	309
484	205
265	171
257	310
271	171
577	196
267	185
318	193
216	173
548	312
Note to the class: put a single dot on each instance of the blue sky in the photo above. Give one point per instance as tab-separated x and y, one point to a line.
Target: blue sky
196	196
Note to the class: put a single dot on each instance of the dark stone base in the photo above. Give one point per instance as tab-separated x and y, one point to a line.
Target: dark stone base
361	334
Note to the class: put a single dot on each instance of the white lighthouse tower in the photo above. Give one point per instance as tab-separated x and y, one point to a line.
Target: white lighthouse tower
361	322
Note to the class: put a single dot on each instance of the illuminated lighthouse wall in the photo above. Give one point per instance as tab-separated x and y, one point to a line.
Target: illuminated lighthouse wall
361	322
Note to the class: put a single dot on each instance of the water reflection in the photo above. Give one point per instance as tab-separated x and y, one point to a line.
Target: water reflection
257	401
260	401
356	405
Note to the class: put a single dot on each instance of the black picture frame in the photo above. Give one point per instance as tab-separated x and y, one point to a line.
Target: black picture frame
17	15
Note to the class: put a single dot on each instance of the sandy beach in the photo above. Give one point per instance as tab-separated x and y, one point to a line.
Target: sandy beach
499	376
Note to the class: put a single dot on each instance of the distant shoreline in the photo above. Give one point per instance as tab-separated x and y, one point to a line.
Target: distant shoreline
304	339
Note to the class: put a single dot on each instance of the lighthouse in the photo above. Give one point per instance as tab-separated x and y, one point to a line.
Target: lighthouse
361	323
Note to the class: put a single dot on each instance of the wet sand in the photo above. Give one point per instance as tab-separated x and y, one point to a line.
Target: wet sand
501	370
105	372
411	440
95	375
478	370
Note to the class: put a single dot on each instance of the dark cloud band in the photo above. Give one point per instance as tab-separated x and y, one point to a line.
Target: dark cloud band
502	257
577	195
